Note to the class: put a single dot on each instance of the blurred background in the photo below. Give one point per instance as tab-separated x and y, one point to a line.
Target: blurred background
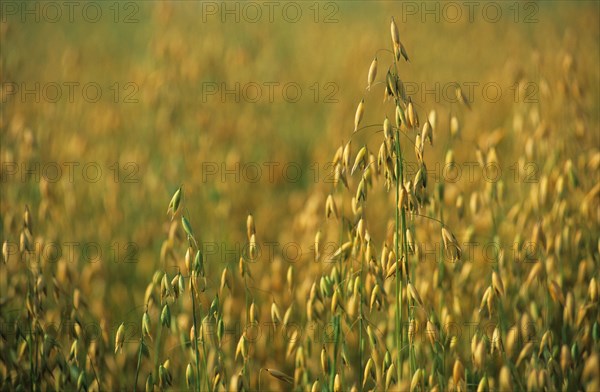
107	108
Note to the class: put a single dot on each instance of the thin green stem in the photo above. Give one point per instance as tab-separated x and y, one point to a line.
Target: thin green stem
158	339
360	331
400	221
139	363
192	286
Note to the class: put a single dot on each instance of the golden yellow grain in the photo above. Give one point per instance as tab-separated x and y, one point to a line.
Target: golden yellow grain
372	73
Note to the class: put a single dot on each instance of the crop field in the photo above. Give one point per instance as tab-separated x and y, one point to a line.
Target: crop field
299	196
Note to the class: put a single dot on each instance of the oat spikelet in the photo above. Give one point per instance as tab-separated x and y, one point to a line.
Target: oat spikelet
525	353
120	338
324	360
556	292
412	116
337	383
458	372
316	387
451	244
359	160
275	315
390	376
412	330
360	111
593	290
281	376
460	96
5	252
483	385
497	283
318	245
250	228
330	208
394	32
146	325
505	379
374	296
427	133
414	294
546	342
417	379
372	73
432	333
369	372
496	341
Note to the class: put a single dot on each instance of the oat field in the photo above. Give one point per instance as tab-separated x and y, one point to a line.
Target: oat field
300	196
